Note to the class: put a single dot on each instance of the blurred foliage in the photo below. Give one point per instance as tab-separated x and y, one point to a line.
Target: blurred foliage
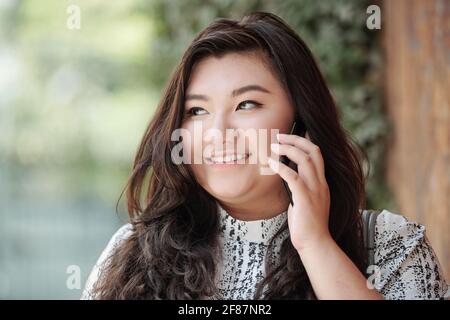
74	102
348	53
73	106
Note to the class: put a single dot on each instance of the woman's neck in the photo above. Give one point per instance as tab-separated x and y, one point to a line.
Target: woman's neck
258	209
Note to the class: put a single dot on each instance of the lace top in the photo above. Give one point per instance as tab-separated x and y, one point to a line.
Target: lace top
406	266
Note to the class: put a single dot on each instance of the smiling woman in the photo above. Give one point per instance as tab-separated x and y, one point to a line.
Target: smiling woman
220	229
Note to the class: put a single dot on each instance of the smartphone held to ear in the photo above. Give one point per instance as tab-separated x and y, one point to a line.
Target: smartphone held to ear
298	128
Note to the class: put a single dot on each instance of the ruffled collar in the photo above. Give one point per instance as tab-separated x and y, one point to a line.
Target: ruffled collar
259	231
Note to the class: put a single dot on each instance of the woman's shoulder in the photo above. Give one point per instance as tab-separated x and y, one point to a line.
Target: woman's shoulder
390	221
405	262
121	234
394	230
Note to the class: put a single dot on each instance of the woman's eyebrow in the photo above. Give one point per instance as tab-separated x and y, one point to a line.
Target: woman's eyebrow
234	93
251	87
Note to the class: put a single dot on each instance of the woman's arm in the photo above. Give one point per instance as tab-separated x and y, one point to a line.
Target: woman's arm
332	274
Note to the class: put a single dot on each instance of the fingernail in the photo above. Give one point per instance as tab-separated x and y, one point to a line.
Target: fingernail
278	136
272	164
275	147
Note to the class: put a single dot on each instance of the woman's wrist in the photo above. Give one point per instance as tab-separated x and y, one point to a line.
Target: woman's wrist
317	245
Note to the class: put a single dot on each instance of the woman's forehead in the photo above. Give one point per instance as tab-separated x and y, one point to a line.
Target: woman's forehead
228	72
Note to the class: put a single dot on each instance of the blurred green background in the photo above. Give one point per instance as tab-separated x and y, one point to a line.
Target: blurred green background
75	102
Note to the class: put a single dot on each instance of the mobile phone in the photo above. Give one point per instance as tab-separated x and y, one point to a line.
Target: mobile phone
299	129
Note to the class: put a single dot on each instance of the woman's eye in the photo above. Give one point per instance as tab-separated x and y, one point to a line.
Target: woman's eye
245	105
195	111
249	104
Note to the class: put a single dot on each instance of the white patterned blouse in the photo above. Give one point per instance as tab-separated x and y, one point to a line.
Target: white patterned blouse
407	267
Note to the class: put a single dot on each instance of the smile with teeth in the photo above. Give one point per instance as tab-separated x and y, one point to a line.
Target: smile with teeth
227	159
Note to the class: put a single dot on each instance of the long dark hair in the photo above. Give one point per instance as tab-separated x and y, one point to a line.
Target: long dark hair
173	249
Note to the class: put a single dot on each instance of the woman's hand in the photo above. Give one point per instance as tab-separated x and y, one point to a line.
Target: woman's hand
332	273
308	218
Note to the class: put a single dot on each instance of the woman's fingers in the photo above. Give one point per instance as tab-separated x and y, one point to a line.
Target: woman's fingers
310	148
294	181
306	168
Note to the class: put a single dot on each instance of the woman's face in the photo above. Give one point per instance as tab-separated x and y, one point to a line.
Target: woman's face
236	92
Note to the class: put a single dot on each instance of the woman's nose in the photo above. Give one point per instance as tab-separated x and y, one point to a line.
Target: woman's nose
220	122
223	129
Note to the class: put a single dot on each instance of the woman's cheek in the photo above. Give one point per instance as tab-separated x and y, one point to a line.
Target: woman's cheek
191	149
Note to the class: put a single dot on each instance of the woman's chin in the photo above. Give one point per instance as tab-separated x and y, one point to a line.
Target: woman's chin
228	189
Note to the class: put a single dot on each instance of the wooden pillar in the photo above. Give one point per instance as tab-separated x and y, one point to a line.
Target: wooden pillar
416	39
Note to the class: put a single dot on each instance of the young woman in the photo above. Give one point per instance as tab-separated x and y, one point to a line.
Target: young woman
222	226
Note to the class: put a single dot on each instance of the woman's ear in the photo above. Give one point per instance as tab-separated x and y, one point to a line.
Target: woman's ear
307	136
